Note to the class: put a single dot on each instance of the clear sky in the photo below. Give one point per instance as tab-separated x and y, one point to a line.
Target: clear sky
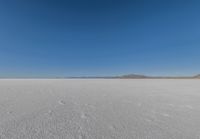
49	38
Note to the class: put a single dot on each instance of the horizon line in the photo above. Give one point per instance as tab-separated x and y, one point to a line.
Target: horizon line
125	76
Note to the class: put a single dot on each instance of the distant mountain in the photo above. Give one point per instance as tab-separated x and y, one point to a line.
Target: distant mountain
137	76
197	76
132	76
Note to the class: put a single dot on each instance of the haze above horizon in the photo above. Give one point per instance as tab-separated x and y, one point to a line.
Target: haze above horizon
59	38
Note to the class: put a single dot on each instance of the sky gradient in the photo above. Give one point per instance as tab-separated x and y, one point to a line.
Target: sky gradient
58	38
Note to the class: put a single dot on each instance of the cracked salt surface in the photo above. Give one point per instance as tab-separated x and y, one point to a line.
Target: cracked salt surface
99	109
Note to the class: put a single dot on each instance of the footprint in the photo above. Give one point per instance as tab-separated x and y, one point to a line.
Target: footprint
50	112
83	116
148	120
165	115
80	129
139	104
81	136
171	105
90	106
10	112
61	102
189	106
113	127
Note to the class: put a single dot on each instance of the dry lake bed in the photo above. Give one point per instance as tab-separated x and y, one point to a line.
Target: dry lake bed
99	109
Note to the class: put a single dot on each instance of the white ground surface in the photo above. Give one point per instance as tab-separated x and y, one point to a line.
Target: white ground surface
99	109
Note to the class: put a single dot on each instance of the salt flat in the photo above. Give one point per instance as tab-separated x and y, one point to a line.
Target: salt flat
99	109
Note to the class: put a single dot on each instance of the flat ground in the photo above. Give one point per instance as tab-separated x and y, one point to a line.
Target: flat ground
99	109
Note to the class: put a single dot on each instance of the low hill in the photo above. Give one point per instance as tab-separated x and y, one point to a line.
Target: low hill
197	76
131	76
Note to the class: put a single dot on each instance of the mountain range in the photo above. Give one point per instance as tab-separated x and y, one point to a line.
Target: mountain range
139	76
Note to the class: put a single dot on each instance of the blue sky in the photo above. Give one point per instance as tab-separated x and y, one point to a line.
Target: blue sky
50	38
